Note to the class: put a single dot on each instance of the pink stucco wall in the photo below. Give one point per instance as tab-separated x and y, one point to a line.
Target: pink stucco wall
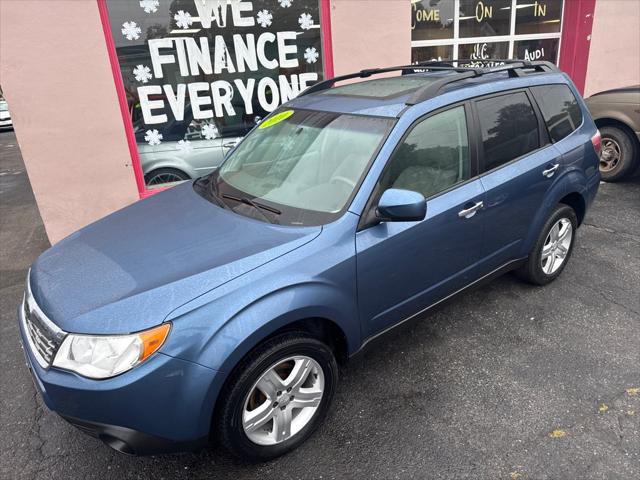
614	56
55	73
369	34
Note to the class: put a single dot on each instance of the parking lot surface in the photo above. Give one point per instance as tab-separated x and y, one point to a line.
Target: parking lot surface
506	381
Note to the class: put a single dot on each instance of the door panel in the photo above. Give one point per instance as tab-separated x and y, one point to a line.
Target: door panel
521	165
514	193
404	267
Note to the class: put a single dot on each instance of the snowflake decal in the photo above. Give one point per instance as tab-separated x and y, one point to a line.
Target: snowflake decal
149	6
264	18
305	21
143	73
184	146
311	55
284	3
183	19
131	30
153	137
209	131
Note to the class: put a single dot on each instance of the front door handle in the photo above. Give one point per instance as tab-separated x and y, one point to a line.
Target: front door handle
471	211
230	144
551	170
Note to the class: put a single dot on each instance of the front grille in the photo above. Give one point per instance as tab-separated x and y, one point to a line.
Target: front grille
43	336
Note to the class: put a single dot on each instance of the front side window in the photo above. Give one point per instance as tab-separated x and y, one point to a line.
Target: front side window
559	108
433	157
509	128
303	166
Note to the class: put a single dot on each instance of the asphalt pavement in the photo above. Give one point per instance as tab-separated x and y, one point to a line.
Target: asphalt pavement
508	381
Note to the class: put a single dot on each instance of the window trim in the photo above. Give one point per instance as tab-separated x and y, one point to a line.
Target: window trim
368	218
543	135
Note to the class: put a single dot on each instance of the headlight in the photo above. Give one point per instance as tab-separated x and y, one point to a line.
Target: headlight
104	356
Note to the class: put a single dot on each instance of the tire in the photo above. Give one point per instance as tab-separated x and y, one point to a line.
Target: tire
618	154
163	176
538	271
242	395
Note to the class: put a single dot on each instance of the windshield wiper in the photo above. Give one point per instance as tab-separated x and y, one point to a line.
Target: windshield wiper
215	194
258	206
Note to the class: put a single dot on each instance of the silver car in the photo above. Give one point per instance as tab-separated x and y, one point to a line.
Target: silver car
192	156
188	148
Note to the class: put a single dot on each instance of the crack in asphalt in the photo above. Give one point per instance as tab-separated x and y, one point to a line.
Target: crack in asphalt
628	235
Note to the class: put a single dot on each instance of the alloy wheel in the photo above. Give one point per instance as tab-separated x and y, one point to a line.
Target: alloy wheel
165	177
283	400
609	154
556	246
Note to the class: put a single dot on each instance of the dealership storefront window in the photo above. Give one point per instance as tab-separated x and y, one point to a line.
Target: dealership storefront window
479	30
197	75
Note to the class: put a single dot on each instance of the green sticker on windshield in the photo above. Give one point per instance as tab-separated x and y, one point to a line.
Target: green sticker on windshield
277	118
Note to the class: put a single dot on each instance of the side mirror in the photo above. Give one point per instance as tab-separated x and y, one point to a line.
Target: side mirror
398	205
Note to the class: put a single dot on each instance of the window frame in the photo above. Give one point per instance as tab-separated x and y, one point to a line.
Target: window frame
543	135
368	217
565	35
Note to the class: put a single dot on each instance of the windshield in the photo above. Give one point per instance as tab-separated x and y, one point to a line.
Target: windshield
3	106
300	167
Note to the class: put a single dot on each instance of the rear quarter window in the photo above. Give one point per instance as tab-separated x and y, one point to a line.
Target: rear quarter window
559	108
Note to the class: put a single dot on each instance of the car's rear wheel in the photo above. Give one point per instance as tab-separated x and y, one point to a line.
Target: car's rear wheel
618	154
277	397
553	248
162	176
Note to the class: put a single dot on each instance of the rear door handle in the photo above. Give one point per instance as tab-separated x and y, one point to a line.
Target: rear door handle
551	170
471	211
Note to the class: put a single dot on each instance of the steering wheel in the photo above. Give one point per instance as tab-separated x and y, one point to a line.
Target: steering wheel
345	180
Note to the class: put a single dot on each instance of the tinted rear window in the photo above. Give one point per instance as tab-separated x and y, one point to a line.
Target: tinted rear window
509	128
559	108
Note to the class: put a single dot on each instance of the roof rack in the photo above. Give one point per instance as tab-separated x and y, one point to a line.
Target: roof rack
515	68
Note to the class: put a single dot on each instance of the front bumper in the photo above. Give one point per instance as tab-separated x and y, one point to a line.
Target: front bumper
164	404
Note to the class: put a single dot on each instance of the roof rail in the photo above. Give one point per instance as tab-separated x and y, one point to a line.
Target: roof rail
514	67
330	82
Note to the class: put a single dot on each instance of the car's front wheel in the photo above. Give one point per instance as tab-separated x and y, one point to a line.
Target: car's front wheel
553	248
277	397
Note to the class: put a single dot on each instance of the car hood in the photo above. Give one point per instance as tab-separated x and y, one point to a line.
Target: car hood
128	271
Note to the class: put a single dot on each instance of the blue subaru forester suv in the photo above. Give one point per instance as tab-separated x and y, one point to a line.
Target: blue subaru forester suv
346	212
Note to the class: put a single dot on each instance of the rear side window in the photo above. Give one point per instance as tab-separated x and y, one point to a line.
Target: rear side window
509	128
559	108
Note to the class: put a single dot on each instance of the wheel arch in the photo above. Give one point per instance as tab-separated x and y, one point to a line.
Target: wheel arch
577	202
317	308
162	167
569	190
318	327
